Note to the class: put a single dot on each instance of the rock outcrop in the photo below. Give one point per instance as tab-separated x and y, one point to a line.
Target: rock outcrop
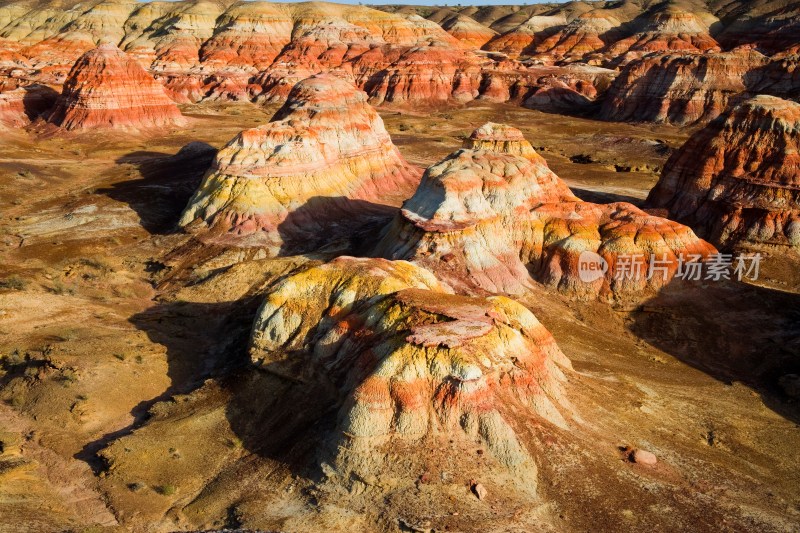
20	106
316	166
471	34
203	50
493	217
737	181
671	30
108	89
523	39
408	362
680	88
588	33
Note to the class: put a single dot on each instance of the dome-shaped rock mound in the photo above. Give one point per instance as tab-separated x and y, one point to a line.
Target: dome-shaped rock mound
108	89
409	363
737	181
491	220
324	157
470	33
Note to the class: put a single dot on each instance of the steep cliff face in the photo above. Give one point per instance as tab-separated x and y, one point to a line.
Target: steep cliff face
737	181
407	361
108	89
680	89
493	217
322	158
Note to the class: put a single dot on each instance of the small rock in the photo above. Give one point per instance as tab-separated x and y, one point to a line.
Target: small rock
643	457
424	527
479	490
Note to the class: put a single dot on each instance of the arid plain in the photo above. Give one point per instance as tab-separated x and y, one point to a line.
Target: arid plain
304	267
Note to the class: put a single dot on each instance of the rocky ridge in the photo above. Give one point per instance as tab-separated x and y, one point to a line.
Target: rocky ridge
737	181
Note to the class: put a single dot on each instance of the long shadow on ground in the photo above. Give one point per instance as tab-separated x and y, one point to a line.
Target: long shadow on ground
202	341
166	184
732	331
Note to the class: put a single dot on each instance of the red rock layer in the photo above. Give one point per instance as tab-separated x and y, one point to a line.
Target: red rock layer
679	31
407	360
471	34
680	89
20	106
737	181
522	40
205	50
107	89
431	73
588	33
489	216
315	166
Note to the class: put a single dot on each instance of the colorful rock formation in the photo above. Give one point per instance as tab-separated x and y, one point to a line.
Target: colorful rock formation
588	33
493	217
737	181
22	105
407	360
433	73
523	39
471	34
319	162
203	50
108	89
680	89
670	30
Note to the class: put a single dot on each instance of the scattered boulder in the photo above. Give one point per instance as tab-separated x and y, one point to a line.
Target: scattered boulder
643	457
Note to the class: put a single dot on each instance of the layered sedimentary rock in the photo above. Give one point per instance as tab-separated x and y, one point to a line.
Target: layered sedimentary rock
108	89
771	26
494	217
409	362
203	50
523	39
588	33
434	72
22	105
561	93
318	164
471	34
669	31
737	181
681	89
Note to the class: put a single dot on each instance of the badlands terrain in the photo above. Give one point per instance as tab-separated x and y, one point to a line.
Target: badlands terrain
317	267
